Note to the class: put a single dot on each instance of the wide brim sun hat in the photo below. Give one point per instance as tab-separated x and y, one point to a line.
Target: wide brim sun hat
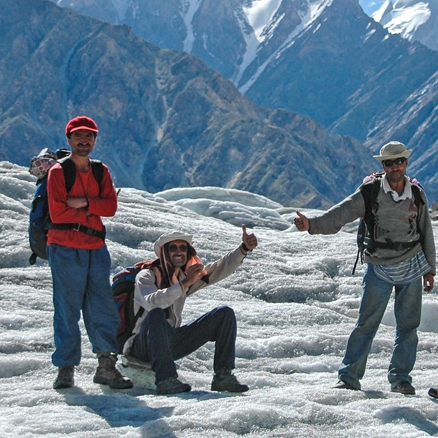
393	150
169	237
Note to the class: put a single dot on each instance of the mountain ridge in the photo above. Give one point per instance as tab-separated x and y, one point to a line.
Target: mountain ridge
325	59
166	119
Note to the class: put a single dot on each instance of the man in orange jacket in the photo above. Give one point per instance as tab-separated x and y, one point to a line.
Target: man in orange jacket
80	261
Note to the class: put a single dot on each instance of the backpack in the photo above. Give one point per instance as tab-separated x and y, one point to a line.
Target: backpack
39	216
370	190
123	286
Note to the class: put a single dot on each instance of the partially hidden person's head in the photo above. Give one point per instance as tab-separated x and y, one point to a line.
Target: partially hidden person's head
175	247
81	133
394	158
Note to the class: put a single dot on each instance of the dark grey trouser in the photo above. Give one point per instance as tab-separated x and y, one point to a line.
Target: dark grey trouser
160	344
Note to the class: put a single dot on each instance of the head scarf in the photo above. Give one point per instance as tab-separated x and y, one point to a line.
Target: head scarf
164	270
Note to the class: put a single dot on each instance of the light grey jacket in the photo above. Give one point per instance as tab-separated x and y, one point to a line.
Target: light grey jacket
148	296
396	221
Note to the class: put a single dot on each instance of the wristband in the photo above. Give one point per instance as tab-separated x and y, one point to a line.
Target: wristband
245	248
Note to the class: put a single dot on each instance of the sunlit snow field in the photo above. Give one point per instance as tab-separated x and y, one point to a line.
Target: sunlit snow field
296	303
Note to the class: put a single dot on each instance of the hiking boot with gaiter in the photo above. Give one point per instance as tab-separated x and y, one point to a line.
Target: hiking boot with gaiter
107	374
223	380
65	378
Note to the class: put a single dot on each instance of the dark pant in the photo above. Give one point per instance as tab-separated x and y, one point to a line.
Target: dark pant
160	344
81	283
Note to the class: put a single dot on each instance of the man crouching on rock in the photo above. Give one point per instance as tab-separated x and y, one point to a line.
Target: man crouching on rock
161	288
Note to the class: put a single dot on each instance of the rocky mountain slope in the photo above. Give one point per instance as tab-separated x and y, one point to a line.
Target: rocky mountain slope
166	119
325	59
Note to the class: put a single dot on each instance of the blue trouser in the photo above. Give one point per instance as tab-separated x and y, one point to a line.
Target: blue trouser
407	310
160	344
81	282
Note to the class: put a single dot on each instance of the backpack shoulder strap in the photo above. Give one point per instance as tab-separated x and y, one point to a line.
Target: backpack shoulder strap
98	170
69	168
419	195
370	192
419	199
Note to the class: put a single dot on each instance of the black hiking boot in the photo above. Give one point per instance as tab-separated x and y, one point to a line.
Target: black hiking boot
223	380
433	392
65	378
403	388
172	385
107	374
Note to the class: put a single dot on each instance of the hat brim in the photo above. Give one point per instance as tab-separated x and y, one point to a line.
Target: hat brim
166	238
87	128
404	154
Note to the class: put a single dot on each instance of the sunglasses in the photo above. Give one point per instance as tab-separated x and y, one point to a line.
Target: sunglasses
174	248
398	161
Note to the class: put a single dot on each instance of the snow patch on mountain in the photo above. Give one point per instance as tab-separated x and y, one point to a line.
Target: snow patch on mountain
310	11
402	18
414	20
259	14
257	22
189	11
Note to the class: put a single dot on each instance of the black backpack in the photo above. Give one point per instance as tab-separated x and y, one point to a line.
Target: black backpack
365	230
123	286
39	217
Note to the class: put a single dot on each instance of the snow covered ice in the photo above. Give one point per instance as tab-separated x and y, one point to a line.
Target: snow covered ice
296	303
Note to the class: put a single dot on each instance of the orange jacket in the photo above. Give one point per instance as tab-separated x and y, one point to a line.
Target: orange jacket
102	202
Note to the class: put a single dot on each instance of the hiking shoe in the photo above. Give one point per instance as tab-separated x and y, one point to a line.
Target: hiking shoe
223	380
344	385
108	374
433	392
403	388
65	378
172	386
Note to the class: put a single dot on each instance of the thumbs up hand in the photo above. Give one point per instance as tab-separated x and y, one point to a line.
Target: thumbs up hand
302	222
249	241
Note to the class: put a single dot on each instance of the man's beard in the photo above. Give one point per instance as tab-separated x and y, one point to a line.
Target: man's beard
178	264
83	151
395	179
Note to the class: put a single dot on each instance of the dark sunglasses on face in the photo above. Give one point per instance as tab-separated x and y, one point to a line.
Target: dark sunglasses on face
398	161
174	248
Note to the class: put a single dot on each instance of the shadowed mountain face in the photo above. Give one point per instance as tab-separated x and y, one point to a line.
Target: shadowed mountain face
322	58
166	119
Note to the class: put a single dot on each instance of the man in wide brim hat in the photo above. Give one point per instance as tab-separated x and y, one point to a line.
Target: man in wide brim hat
399	251
161	288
